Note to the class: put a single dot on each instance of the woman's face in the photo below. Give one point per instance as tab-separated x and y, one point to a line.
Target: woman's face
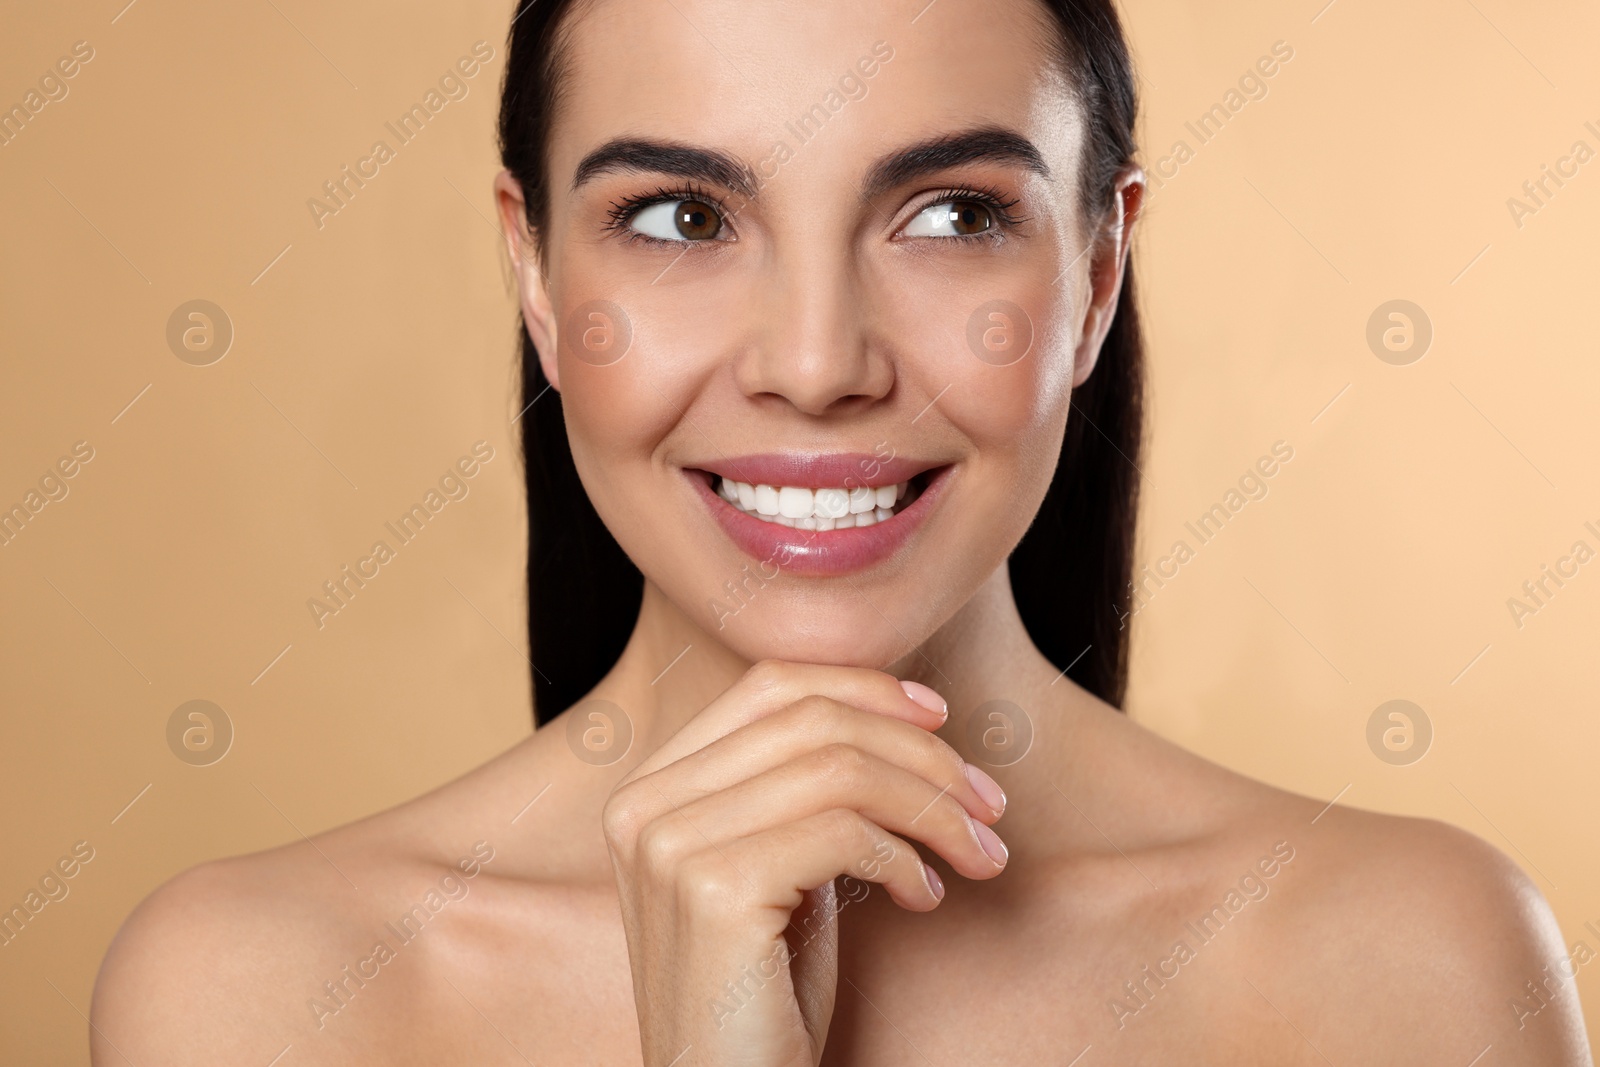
814	288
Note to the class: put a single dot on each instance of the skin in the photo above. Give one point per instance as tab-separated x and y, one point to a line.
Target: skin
619	898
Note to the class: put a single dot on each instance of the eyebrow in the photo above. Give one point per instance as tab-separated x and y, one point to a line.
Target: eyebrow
984	144
632	154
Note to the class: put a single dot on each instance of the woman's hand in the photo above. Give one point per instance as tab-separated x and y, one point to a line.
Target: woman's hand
795	775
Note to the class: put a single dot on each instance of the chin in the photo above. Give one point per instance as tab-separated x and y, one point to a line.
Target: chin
871	619
845	636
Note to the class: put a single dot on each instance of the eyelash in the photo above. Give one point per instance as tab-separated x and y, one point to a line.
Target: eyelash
620	212
998	204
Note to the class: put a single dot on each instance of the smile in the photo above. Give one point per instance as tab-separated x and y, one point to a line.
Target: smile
825	509
820	515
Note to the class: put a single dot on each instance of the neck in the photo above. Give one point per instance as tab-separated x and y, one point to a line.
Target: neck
672	667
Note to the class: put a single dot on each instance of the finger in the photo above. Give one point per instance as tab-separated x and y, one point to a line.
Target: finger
768	873
835	776
772	685
800	730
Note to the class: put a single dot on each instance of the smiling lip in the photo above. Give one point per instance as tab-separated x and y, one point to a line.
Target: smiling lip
841	469
819	553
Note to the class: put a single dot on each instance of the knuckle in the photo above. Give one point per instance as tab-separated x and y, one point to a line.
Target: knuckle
706	883
851	827
767	674
942	754
818	714
954	815
621	819
882	856
659	846
841	762
615	822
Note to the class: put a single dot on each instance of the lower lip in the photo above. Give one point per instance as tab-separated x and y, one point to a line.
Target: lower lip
819	553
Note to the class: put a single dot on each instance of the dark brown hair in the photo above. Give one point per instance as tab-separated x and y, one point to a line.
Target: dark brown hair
1073	567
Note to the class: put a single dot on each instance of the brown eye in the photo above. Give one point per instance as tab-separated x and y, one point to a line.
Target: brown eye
697	220
953	218
969	216
678	220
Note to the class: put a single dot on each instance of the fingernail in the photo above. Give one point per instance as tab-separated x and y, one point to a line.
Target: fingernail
926	697
991	843
935	883
987	788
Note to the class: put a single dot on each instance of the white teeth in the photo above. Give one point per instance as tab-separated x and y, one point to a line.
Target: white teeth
814	509
795	502
766	499
832	503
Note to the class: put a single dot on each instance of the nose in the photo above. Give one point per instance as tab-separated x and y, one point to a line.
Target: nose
813	346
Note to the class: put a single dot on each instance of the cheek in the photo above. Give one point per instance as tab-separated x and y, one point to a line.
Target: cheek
1002	354
632	360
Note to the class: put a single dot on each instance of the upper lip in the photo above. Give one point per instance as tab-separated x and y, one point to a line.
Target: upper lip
817	470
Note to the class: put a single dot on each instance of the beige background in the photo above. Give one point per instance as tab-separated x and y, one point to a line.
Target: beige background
371	353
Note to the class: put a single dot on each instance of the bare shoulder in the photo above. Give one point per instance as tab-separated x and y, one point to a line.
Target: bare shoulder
1432	939
1372	938
340	946
191	974
1352	935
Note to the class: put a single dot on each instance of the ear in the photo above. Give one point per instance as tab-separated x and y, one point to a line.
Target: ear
527	259
1106	270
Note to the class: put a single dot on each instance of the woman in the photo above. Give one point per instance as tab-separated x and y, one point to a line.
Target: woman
833	307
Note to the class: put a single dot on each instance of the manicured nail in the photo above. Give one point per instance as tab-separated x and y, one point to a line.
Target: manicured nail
926	697
935	883
991	843
986	788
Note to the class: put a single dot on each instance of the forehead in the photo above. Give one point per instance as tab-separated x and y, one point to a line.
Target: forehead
838	82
